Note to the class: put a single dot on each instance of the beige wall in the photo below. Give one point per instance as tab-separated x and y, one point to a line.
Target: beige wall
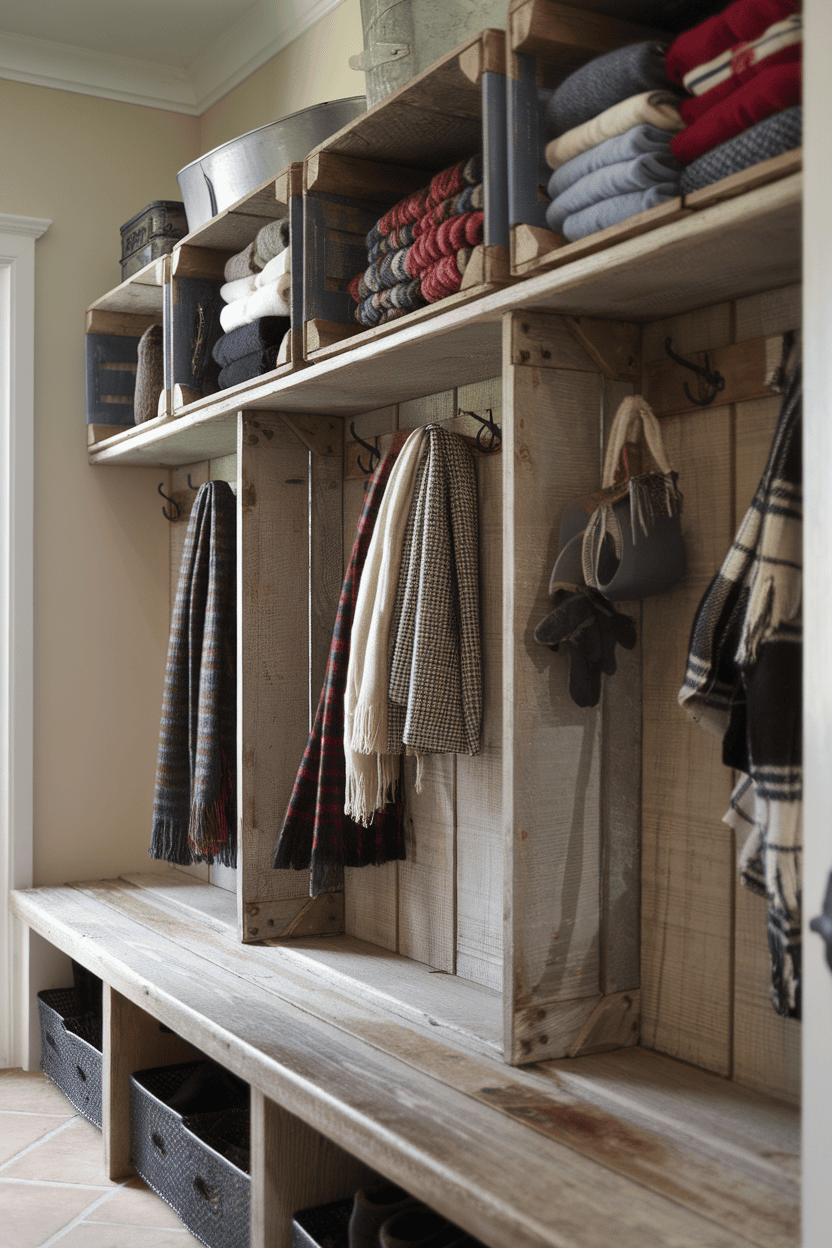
101	578
311	70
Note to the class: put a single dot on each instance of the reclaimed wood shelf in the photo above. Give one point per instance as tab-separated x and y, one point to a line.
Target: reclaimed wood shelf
732	248
628	1147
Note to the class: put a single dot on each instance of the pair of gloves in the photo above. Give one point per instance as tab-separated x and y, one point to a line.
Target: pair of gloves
588	628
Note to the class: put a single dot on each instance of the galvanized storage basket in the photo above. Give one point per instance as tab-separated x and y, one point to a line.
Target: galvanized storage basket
197	1163
71	1048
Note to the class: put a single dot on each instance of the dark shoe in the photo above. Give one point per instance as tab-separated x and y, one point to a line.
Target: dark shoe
372	1207
420	1227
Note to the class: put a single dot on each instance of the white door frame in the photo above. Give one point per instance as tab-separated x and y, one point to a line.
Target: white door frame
17	505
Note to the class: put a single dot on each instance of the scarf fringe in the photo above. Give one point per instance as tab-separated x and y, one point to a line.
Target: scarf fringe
367	736
169	841
773	601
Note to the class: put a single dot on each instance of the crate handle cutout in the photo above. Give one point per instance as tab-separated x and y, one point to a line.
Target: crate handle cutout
81	1074
158	1143
207	1193
51	1040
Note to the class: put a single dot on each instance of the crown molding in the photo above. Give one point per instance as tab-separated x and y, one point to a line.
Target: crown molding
237	54
28	227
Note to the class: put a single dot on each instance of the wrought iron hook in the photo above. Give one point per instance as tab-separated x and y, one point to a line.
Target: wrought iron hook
173	503
375	453
487	425
715	380
191	486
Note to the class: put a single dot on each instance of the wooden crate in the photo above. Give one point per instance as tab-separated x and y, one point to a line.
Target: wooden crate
452	110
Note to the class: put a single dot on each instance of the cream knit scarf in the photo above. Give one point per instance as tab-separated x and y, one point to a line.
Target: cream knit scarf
372	772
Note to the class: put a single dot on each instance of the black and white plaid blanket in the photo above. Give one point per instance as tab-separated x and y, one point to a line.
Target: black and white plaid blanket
743	682
435	691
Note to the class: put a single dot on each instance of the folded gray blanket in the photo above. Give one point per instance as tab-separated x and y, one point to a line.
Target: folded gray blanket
270	241
777	134
605	81
652	169
248	367
268	331
637	141
612	212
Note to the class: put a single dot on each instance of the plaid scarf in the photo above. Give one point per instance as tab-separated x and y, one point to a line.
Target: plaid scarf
435	690
316	830
194	805
743	681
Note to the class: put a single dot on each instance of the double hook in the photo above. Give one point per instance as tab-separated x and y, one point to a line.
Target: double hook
487	427
178	510
375	453
714	379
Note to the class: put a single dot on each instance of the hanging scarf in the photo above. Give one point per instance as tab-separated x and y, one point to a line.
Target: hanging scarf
743	681
194	817
435	686
316	830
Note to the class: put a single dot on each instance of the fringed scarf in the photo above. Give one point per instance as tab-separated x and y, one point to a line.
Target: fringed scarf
316	829
743	682
193	806
194	815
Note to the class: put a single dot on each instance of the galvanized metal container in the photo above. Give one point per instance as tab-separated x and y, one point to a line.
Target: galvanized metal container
151	233
406	36
222	176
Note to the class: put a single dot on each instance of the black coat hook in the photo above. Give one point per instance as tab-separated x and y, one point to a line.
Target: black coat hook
375	453
487	426
715	380
191	486
172	502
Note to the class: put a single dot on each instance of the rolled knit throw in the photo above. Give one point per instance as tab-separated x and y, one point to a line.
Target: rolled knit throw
240	265
660	171
739	23
384	273
777	134
444	277
248	367
605	81
639	141
150	375
768	92
194	814
449	182
239	289
472	199
613	211
263	302
444	240
654	108
270	241
395	241
266	332
275	268
316	828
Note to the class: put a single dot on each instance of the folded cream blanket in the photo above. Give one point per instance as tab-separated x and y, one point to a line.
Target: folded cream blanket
653	108
263	302
371	773
275	268
238	289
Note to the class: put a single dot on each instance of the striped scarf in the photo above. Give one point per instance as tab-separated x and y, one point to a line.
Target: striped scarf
316	830
743	682
194	817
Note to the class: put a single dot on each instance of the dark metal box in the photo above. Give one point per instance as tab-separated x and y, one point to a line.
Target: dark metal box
150	234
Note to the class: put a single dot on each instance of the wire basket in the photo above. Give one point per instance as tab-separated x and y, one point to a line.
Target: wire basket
197	1163
71	1048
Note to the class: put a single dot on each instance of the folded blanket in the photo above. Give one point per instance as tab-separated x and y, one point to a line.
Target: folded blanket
779	133
444	277
263	302
776	39
372	773
652	169
444	240
240	265
239	289
248	367
641	140
315	828
768	92
696	106
284	288
268	331
605	81
654	108
275	268
194	812
613	211
739	23
270	240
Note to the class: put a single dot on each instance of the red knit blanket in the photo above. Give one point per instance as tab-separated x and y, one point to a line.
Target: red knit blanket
766	93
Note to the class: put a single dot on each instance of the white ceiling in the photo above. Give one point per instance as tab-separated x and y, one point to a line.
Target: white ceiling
177	54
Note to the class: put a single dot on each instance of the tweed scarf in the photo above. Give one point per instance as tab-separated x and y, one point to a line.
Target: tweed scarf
316	829
777	134
194	817
604	81
743	681
435	665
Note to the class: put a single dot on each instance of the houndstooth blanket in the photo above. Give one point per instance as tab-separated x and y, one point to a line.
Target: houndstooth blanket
194	816
743	681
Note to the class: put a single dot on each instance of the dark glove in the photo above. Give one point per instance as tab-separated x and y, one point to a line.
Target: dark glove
588	627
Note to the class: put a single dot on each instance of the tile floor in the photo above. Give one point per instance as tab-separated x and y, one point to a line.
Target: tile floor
53	1188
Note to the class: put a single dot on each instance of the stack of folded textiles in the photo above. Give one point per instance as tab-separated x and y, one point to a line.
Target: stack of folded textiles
612	121
743	70
418	251
255	318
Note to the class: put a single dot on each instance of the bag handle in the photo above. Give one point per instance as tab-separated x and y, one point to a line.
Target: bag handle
631	409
